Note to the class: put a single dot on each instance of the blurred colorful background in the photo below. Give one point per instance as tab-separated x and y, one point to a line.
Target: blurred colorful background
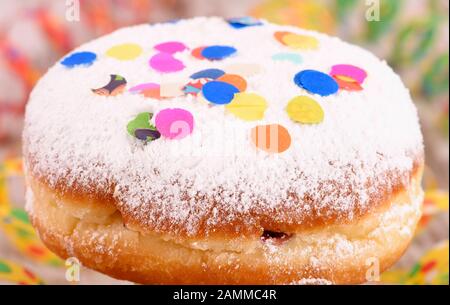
411	35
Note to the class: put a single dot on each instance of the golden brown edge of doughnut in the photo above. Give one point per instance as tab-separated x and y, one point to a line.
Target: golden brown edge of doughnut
287	220
102	242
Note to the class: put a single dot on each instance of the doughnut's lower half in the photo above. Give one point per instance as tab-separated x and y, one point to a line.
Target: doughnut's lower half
341	253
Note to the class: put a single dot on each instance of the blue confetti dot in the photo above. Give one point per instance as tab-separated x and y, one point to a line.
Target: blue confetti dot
79	58
191	89
243	22
218	52
208	73
219	92
292	57
316	82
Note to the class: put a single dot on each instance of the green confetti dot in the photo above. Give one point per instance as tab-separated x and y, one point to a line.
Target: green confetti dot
20	215
414	270
141	121
4	268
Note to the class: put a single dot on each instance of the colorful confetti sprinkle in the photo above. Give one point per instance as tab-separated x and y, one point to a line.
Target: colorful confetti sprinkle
219	92
297	41
272	138
17	274
126	51
345	78
243	69
316	82
352	72
208	73
15	225
141	128
279	36
195	86
150	90
79	59
431	269
243	22
115	86
347	85
434	203
247	106
218	52
197	53
165	63
304	109
174	123
170	47
14	222
291	57
147	134
189	89
234	80
300	42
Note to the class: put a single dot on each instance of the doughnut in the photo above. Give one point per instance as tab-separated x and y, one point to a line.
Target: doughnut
215	151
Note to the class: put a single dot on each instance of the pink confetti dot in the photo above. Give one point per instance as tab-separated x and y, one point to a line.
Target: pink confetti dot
150	90
353	72
174	123
165	63
171	47
143	87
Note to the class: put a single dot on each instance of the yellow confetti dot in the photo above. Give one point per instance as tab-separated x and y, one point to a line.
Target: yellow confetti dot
346	78
247	106
126	51
296	41
304	109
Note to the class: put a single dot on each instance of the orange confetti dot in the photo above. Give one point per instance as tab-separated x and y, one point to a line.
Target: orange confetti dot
152	93
272	138
36	250
279	36
234	80
349	86
197	53
345	78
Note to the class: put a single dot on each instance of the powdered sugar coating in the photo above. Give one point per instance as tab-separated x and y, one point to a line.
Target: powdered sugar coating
216	174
